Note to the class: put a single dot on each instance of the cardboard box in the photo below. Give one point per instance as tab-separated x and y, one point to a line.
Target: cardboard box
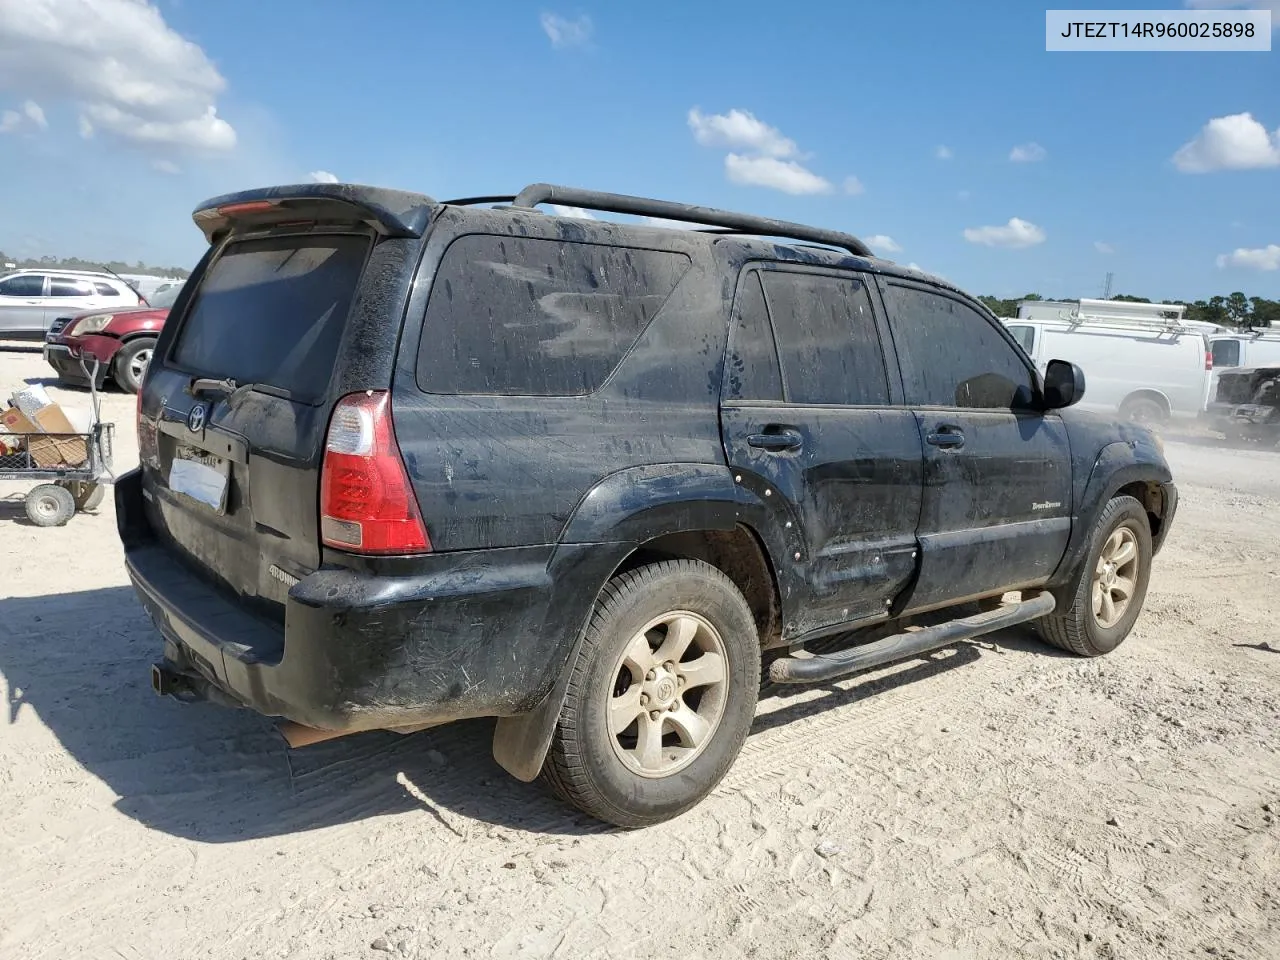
49	451
15	421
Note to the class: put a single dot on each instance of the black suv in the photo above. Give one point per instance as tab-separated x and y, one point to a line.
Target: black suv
405	462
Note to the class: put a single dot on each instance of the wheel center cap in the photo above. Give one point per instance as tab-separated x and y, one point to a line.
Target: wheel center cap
664	690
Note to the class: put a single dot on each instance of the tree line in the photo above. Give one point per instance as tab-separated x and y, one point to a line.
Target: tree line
94	266
1233	310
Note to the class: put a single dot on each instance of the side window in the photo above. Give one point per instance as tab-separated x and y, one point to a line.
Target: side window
1026	337
26	285
66	287
751	368
529	317
952	356
1226	353
828	344
106	290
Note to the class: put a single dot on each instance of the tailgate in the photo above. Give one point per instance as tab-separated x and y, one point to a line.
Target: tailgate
231	459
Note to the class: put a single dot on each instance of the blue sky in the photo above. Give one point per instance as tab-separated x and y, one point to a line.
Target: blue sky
1057	168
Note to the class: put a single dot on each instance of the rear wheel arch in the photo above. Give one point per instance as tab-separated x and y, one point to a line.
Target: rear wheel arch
520	743
1144	399
740	554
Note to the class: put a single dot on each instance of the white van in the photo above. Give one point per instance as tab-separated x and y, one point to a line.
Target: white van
1146	370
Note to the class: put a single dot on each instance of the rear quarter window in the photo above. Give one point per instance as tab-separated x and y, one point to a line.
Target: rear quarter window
515	316
271	311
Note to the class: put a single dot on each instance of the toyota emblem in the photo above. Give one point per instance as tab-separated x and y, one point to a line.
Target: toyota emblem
195	419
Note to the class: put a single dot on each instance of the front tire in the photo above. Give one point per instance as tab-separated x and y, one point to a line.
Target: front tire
1104	601
130	364
662	695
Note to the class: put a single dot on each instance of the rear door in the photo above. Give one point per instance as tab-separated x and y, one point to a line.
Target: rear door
231	469
808	419
996	510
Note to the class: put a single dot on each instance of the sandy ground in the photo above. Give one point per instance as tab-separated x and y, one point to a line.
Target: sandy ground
997	799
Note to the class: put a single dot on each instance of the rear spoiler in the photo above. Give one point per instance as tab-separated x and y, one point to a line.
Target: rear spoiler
393	213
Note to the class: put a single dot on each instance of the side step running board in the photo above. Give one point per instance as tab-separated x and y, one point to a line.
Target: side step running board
903	645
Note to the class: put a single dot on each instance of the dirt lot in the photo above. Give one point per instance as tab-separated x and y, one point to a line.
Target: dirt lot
997	799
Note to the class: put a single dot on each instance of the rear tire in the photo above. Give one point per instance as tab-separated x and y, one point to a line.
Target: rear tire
661	698
1143	410
1118	564
130	364
50	505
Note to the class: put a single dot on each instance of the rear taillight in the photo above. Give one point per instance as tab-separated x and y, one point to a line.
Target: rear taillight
1208	360
366	502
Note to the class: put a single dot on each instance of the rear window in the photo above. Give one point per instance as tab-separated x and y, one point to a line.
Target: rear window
515	316
66	287
271	311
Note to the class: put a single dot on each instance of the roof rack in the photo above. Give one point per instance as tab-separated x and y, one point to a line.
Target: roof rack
1160	324
537	193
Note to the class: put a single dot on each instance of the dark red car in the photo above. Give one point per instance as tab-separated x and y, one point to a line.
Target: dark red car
121	340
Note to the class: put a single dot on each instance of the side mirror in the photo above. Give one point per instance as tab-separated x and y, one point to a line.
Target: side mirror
1063	384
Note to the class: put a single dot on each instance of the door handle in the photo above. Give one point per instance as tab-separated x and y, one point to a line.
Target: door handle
785	440
947	436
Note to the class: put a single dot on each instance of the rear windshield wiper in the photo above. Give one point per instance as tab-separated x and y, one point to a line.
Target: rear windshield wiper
200	385
230	389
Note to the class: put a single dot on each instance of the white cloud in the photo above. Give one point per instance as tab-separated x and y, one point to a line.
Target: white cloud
785	175
133	76
575	213
943	152
1235	142
1015	234
1272	5
31	115
1259	258
35	114
323	176
882	244
853	187
166	166
1103	247
739	129
1028	153
760	155
563	32
86	128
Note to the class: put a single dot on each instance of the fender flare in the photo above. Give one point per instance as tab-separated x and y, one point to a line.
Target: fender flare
1117	465
619	514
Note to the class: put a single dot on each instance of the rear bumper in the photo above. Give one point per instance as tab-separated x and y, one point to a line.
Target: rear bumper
468	634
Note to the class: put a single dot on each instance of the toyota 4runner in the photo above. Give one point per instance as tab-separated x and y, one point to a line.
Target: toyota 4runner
405	462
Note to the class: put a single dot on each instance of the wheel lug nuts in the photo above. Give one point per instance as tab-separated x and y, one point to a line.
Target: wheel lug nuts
651	676
681	681
656	714
644	699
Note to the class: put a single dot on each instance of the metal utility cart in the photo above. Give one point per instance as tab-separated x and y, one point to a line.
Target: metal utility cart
70	482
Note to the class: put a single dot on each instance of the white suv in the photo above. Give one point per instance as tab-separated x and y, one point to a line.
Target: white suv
31	299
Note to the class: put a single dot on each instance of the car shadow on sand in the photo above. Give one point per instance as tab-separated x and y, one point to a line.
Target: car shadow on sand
80	662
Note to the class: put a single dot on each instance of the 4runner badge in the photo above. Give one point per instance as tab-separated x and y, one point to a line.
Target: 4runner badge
1046	505
288	579
195	419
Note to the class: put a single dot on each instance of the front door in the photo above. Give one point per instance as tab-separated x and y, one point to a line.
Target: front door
809	427
996	510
